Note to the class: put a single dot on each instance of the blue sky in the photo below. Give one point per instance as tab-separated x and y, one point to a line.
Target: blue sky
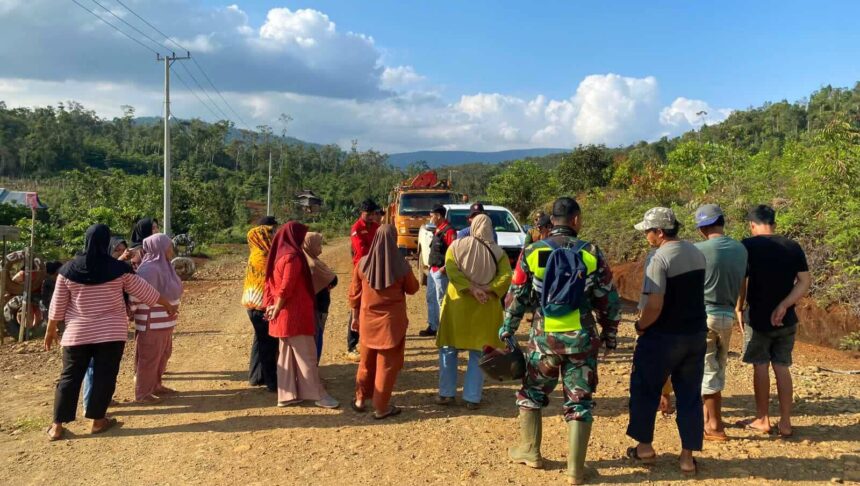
415	75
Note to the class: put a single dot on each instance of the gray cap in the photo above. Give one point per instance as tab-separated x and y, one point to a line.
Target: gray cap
657	218
708	214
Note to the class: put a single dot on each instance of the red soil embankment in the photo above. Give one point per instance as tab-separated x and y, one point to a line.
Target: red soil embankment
817	326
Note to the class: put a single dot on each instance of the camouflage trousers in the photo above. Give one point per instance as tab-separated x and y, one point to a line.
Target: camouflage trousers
578	375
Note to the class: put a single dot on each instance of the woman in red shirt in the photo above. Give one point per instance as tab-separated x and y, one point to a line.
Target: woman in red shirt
289	301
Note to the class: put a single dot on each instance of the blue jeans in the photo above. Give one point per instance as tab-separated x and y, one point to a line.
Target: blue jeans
473	383
656	357
88	386
437	285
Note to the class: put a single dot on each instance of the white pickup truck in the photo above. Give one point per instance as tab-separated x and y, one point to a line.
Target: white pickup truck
510	233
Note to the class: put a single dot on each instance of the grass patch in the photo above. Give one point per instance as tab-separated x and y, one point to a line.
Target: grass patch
30	424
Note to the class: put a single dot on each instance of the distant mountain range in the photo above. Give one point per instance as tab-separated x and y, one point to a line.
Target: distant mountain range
439	158
434	158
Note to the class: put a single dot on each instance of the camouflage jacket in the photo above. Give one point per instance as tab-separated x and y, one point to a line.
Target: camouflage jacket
601	298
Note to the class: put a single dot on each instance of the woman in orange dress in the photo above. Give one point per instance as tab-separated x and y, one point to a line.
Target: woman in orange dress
380	282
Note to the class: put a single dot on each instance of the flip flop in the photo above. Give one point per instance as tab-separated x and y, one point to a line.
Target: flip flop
392	412
633	454
356	408
691	472
111	422
747	425
51	437
715	437
784	436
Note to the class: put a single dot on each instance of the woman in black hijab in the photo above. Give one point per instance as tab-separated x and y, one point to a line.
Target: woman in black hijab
142	230
89	298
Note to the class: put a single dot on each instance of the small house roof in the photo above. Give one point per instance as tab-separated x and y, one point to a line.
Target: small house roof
21	198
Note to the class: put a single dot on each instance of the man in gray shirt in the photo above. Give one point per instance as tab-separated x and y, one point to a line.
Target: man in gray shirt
726	267
672	329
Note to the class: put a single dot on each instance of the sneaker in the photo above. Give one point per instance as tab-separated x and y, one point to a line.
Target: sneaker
472	406
327	401
290	403
353	356
440	400
427	332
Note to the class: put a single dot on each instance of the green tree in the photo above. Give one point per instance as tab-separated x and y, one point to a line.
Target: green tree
523	187
587	167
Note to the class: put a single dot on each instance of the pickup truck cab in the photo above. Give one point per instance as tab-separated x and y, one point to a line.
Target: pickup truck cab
510	233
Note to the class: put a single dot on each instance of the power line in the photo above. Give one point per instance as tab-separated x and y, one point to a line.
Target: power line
115	27
194	60
193	78
159	44
187	86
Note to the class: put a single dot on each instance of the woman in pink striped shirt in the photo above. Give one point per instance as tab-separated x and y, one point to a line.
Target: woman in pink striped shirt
153	323
89	298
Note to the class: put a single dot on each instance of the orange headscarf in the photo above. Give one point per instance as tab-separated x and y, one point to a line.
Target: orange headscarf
259	242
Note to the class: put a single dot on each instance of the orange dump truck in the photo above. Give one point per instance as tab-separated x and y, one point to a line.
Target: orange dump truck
409	206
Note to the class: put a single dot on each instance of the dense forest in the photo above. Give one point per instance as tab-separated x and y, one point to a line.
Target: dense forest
802	157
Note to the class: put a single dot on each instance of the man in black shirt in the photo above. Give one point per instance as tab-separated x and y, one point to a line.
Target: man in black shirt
777	277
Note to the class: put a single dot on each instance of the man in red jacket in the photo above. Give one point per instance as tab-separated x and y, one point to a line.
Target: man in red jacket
361	236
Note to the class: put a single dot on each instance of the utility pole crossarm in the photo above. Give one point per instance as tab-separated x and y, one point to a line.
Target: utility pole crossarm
168	60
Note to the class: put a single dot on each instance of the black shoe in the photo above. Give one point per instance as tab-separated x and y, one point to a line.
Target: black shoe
427	332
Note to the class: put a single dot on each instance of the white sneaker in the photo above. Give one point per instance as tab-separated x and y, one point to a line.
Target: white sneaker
290	403
327	401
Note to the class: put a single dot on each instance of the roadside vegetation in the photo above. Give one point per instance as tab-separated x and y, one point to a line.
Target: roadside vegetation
803	158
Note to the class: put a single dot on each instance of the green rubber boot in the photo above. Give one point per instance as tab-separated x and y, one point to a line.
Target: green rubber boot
578	434
528	450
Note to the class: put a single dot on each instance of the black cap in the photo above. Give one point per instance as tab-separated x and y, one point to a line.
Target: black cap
543	221
476	209
440	210
762	214
267	221
369	206
565	207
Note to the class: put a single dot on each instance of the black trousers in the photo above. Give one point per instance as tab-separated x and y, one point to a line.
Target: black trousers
351	336
262	369
76	359
656	357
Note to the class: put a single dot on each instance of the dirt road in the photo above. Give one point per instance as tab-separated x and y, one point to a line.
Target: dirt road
218	430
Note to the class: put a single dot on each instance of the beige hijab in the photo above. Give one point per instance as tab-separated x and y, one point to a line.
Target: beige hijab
477	255
384	265
321	275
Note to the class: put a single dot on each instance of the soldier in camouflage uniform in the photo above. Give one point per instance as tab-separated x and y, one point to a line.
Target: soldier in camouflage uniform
561	348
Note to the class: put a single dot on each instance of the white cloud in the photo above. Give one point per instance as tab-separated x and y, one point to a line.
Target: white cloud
304	27
612	109
335	84
400	77
686	113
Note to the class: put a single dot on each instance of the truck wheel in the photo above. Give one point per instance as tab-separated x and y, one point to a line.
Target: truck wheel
422	270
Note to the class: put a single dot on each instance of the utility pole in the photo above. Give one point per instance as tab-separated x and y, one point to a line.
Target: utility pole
269	189
168	60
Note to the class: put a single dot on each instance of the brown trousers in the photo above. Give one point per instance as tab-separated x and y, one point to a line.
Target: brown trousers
377	374
153	349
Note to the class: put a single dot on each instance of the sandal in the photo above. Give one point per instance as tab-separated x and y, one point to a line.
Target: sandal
633	453
393	411
747	425
52	437
691	472
715	437
111	422
356	408
149	400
